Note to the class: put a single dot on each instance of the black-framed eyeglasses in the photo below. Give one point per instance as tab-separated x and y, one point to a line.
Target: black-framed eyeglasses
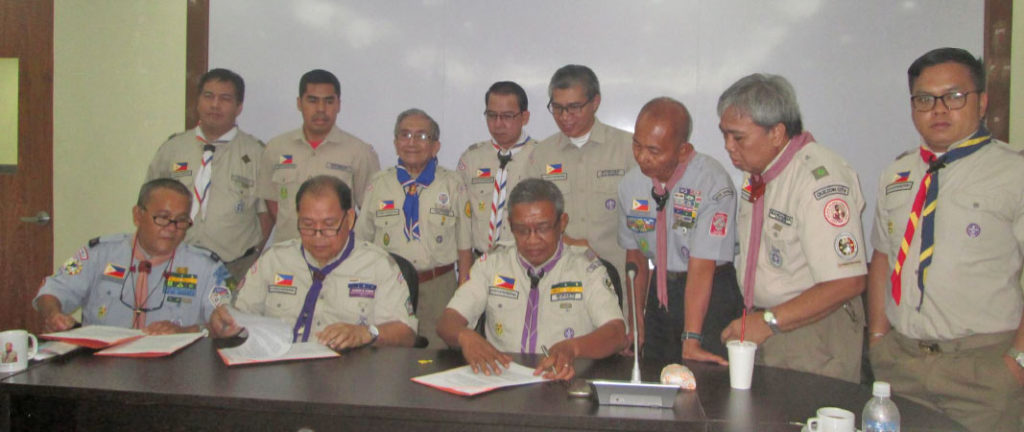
952	100
324	232
542	229
573	108
421	137
161	221
132	306
505	116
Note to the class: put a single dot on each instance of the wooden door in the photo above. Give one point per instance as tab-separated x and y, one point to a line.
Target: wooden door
26	249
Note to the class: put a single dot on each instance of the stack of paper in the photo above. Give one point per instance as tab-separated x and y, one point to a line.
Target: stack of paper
125	342
269	340
462	380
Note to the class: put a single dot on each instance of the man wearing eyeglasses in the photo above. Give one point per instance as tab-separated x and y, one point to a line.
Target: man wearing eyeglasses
218	162
148	280
318	147
944	296
586	159
339	291
416	210
801	265
540	293
490	169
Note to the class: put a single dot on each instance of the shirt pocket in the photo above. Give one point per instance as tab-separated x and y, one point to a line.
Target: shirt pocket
976	225
283	302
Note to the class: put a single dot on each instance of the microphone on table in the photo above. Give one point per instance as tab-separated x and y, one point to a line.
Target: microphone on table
635	392
630	280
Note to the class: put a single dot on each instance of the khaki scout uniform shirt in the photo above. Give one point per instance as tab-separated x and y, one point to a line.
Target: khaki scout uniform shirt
589	178
443	223
576	297
812	228
99	277
366	288
289	160
231	225
700	214
478	168
973	280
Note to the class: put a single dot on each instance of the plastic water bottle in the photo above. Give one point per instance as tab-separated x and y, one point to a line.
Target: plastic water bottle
880	413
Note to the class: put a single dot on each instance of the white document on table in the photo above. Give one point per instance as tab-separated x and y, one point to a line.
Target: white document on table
96	336
269	340
462	380
153	345
54	349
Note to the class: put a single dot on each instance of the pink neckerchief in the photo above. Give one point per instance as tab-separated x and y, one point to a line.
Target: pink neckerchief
661	226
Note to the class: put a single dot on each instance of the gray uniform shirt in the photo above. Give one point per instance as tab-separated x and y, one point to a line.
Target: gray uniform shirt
99	279
700	214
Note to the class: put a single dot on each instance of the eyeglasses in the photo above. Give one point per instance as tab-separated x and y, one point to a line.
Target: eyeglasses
543	229
952	100
573	108
505	116
161	221
325	232
421	137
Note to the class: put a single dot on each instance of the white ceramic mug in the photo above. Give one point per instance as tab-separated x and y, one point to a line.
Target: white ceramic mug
14	350
831	419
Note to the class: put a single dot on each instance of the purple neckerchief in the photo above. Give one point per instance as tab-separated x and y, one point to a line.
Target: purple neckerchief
530	325
305	319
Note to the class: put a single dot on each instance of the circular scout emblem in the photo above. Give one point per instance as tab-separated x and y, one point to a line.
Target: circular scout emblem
609	204
775	257
846	246
837	212
72	267
973	230
442	198
569	333
439	239
220	296
684	253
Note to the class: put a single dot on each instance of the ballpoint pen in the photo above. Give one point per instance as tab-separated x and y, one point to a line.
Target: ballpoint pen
548	354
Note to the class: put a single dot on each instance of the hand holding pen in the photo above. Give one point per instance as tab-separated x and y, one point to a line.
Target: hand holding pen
557	363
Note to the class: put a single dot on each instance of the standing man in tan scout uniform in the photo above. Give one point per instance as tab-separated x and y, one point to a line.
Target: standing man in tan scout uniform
947	330
318	147
490	169
416	210
801	263
219	164
586	160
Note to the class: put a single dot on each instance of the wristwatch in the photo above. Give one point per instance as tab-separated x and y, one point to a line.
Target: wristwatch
773	323
1017	355
373	332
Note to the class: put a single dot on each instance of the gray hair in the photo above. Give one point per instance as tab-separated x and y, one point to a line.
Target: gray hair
146	191
767	99
573	75
536	190
435	130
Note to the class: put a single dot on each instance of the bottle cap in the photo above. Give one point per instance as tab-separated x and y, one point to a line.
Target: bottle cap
881	389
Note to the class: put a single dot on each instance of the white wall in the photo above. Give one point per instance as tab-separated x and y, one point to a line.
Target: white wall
118	92
847	60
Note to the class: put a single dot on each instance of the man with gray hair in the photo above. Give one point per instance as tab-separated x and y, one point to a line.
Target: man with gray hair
540	293
801	265
416	210
586	159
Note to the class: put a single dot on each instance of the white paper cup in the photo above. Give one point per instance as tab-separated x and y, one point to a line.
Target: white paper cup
741	363
831	419
15	351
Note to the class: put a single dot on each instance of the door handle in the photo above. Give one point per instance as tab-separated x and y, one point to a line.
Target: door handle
41	218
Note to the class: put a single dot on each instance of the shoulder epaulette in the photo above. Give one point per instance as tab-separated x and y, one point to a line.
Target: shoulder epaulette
904	154
204	251
94	241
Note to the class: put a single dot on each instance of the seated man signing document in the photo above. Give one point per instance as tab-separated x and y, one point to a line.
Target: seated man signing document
540	293
148	280
344	292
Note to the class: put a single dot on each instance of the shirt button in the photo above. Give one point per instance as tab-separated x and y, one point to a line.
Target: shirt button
321	296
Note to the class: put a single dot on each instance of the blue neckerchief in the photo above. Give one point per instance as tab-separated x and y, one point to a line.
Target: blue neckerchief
412	188
305	319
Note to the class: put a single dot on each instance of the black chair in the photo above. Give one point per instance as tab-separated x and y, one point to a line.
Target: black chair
412	279
613	274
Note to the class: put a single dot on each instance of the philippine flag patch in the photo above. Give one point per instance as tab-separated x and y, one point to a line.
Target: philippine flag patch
386	205
554	168
483	173
114	271
641	205
286	159
180	166
282	279
504	282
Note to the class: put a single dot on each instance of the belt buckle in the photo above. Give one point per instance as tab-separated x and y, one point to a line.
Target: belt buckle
928	348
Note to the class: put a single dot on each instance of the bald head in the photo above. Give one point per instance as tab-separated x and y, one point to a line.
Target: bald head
660	137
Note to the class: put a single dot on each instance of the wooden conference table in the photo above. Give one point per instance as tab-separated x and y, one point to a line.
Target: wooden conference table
369	389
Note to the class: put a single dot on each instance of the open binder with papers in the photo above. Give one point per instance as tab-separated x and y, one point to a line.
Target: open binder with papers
125	342
269	340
